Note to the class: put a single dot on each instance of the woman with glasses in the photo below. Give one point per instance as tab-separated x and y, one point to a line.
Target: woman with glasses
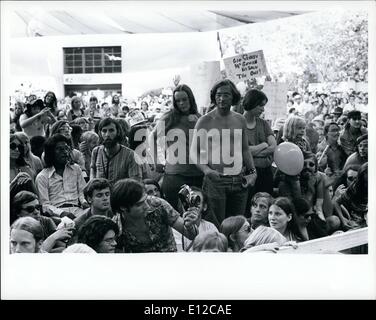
99	233
307	222
17	159
236	229
261	140
83	123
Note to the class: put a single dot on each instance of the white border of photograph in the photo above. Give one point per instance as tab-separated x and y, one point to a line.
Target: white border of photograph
187	276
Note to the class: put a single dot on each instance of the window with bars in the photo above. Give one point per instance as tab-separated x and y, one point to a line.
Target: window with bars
92	60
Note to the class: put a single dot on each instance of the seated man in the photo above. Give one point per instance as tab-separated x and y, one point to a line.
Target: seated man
97	194
145	222
60	185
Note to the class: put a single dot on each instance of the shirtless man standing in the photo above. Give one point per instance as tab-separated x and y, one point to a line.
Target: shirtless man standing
220	150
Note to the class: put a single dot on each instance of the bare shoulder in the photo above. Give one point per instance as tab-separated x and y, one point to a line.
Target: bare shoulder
205	119
239	118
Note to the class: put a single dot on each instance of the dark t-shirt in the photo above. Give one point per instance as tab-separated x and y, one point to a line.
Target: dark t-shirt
257	135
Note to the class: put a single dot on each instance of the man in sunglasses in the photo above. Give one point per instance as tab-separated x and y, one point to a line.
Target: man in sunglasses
60	185
311	185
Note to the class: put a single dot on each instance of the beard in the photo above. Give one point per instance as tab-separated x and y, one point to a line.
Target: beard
306	174
109	143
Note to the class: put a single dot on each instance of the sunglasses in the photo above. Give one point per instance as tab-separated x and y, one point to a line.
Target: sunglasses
63	129
351	178
31	209
309	215
248	228
14	146
309	164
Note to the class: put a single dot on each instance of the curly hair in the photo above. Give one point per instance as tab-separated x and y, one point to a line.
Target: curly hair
94	229
95	184
49	148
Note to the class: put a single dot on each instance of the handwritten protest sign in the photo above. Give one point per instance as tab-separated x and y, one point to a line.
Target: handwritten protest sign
277	94
246	66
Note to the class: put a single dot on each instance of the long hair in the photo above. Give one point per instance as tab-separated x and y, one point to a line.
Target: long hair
173	116
75	98
232	225
289	128
288	207
236	96
31	225
20	161
264	235
119	130
53	104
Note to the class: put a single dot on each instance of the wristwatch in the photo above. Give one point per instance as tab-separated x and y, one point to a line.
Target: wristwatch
252	171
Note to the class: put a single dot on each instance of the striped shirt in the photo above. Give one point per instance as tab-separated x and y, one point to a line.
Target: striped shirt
119	166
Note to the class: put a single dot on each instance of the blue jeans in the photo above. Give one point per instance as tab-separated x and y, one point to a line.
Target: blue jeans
226	197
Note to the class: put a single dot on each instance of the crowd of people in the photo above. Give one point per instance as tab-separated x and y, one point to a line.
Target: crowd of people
115	178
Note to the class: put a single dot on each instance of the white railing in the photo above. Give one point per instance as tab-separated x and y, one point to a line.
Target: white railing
333	243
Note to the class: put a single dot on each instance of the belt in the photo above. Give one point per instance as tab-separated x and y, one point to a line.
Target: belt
69	205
